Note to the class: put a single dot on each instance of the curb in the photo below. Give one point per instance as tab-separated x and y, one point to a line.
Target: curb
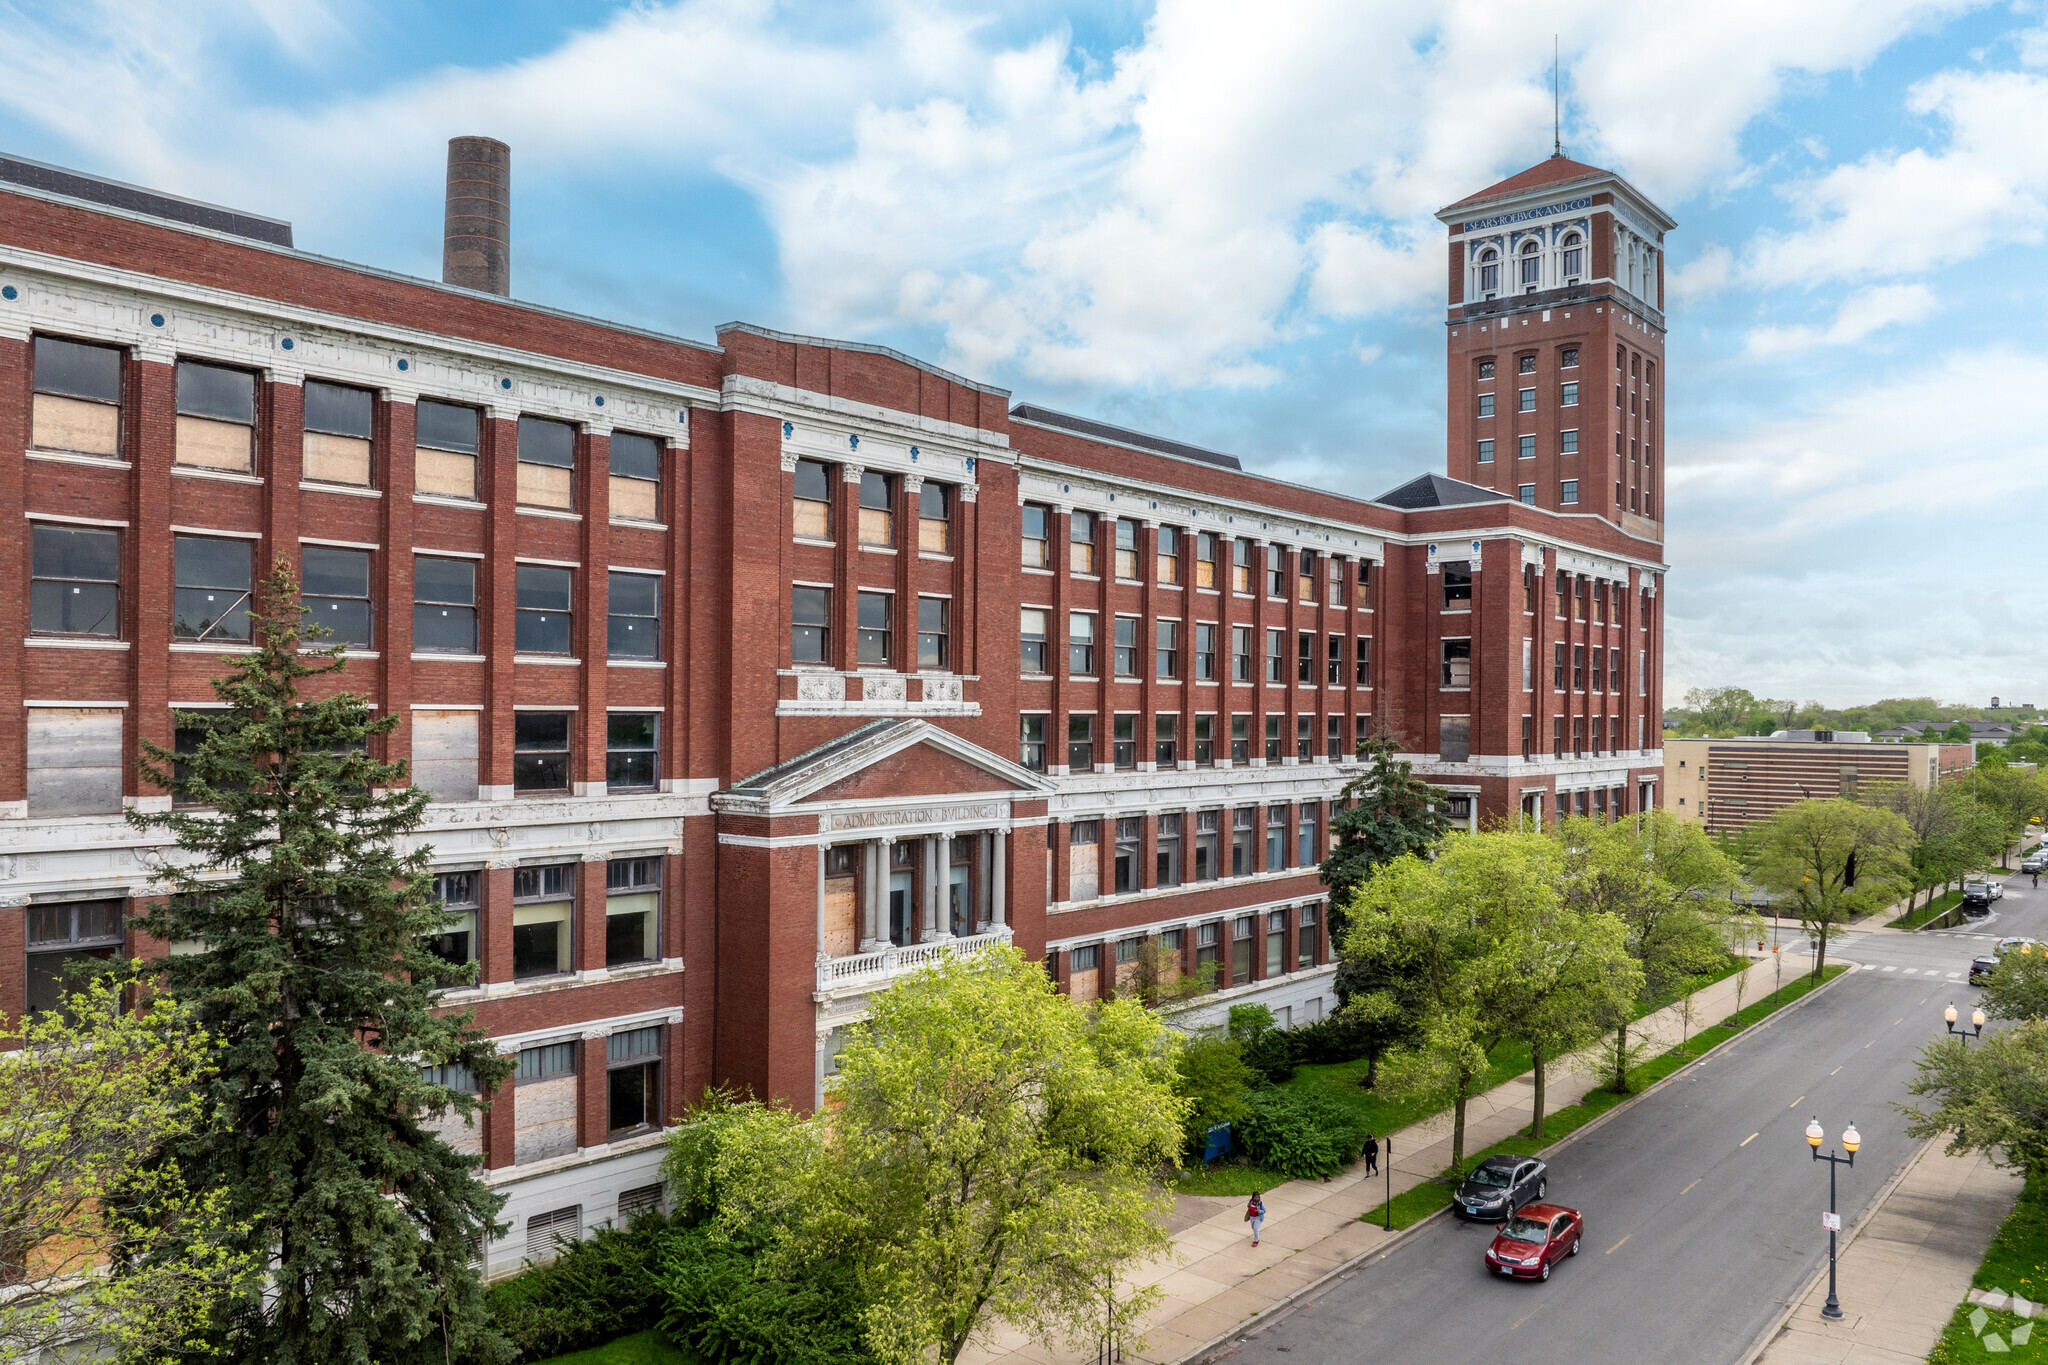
1265	1317
1777	1321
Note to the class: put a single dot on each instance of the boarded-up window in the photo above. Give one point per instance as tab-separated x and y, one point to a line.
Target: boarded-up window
78	397
216	417
74	762
842	936
547	463
1084	875
635	477
544	1123
444	754
445	450
337	442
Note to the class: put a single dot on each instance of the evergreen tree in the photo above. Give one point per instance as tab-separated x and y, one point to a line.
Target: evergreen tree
314	976
1396	813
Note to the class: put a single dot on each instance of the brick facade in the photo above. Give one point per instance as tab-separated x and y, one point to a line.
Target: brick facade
861	800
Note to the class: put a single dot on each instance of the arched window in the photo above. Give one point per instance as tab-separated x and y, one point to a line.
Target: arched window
1489	272
1574	257
1532	267
1634	285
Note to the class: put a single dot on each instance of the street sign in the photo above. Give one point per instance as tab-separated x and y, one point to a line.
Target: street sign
1831	1221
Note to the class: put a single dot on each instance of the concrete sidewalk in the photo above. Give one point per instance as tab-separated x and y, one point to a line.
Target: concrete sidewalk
1906	1269
1214	1280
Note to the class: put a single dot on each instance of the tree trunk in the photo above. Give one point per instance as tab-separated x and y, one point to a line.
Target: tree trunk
1620	1083
1458	1128
1372	1068
1820	953
1536	1123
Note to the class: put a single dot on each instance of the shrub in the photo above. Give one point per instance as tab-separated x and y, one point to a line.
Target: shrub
591	1292
1300	1136
723	1305
1215	1077
1248	1022
1275	1053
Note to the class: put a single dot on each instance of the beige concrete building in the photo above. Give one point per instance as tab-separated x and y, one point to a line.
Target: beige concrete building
1730	784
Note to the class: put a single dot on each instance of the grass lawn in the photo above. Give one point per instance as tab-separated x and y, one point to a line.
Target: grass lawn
1414	1205
2017	1263
1934	910
642	1348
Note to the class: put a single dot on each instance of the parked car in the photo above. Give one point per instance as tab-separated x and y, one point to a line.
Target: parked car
2006	945
2037	861
1978	895
1499	1185
1534	1240
1981	969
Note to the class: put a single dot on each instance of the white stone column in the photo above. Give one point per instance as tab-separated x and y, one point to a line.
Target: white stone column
1002	840
928	883
944	926
822	854
876	854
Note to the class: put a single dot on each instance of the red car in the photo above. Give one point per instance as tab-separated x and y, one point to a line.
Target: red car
1533	1240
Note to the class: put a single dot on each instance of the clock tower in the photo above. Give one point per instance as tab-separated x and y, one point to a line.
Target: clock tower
1556	343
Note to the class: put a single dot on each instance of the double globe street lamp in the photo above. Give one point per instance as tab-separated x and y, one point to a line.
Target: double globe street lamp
1976	1029
1851	1140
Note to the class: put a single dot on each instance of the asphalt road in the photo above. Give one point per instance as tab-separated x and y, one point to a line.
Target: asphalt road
1701	1202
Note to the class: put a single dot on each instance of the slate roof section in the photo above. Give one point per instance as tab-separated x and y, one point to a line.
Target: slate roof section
767	777
1549	171
1434	490
95	189
1103	431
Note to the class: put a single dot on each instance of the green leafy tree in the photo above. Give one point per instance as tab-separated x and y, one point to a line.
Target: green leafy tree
1831	862
1721	710
1212	1076
1990	1096
1377	982
1567	976
314	978
1952	830
1457	920
990	1158
1957	733
1395	813
89	1091
2015	796
1663	879
1155	978
2019	988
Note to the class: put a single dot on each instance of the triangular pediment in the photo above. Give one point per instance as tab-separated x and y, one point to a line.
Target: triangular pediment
886	761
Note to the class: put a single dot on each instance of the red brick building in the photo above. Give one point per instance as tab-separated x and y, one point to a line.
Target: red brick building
748	675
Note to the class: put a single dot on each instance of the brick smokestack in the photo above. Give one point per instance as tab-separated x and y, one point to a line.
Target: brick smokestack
476	241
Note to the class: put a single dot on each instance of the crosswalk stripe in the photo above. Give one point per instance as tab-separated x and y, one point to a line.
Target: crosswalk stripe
1891	969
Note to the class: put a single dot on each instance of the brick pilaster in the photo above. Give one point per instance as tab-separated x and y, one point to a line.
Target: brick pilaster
150	401
393	459
16	383
500	460
593	497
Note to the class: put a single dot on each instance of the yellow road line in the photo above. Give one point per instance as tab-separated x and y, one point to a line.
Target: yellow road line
1688	1188
1795	1103
1833	1072
1616	1247
1746	1141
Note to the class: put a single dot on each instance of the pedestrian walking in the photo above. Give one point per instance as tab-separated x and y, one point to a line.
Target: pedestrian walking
1255	1214
1372	1155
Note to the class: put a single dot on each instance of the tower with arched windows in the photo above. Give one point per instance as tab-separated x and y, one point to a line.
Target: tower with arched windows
1556	343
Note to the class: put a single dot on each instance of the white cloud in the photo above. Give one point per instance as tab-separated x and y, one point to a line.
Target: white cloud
1904	212
1862	313
1880	544
1163	218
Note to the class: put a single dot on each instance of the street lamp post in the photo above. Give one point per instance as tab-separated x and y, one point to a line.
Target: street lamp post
1851	1140
1976	1029
1390	1182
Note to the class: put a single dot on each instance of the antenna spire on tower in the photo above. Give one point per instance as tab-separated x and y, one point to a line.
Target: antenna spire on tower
1556	108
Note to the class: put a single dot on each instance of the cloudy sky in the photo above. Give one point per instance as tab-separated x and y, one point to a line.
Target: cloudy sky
1213	220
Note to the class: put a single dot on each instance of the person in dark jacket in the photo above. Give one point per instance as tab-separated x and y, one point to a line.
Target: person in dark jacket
1372	1155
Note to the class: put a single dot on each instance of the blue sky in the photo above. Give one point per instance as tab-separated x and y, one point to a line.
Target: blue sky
1214	221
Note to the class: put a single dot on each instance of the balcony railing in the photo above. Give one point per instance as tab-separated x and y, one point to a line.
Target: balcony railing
837	972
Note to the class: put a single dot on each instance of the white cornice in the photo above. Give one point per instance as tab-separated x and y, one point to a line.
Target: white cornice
82	298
